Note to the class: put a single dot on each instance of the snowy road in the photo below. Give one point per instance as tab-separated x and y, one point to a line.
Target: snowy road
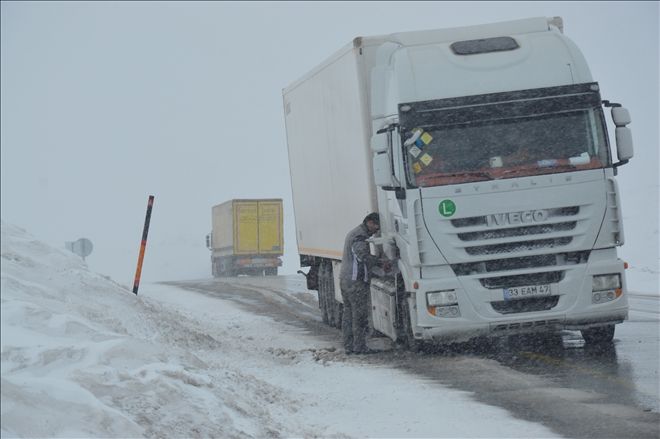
574	390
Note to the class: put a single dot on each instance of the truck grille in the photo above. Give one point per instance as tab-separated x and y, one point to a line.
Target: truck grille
500	237
516	326
481	220
519	280
517	231
533	261
504	264
525	305
505	250
515	247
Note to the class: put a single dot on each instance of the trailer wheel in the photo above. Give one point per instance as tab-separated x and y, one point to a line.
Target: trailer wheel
334	315
598	335
323	302
271	271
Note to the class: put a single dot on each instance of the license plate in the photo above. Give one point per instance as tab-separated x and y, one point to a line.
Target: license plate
526	291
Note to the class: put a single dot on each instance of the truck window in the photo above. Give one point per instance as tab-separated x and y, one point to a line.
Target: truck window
507	140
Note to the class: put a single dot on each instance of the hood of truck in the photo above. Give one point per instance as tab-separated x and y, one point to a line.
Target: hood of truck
518	217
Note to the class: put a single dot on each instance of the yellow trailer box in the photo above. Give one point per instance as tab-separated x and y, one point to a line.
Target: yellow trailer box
247	236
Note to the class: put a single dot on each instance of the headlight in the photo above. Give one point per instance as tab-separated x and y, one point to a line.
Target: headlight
440	298
606	282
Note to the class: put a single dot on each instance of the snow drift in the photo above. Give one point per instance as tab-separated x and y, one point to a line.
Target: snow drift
84	357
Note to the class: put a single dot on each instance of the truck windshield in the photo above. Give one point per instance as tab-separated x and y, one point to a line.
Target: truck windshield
496	140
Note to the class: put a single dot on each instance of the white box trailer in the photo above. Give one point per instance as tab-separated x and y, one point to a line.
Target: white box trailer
328	131
424	128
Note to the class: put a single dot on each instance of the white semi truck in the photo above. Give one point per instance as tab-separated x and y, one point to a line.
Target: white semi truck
485	150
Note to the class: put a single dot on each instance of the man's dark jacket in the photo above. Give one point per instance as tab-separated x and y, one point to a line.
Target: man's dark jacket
357	260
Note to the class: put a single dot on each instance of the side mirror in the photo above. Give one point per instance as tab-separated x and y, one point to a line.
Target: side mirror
383	170
379	143
624	144
620	116
382	163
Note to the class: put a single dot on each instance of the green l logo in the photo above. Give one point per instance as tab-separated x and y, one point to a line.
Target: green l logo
447	208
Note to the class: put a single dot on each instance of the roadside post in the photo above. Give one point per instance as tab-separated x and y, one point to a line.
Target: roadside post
143	245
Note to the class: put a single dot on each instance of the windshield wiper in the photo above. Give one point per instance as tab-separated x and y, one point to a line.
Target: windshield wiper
538	168
468	173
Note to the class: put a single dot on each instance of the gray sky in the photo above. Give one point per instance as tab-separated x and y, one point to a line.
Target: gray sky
106	103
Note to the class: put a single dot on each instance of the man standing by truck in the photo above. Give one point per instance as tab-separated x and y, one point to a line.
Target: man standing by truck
356	265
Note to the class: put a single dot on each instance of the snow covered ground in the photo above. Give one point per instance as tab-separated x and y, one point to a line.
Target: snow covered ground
84	357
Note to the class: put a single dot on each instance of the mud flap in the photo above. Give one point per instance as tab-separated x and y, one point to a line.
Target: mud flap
312	277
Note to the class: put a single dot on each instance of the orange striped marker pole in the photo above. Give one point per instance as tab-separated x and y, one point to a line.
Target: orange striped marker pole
138	272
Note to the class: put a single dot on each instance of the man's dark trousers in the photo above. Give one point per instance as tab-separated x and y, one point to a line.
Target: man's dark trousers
355	319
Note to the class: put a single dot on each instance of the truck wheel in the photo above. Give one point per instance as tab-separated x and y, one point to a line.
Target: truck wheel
413	344
333	305
598	335
217	268
271	271
323	302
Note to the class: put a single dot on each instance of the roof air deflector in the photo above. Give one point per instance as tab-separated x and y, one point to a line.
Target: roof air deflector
485	45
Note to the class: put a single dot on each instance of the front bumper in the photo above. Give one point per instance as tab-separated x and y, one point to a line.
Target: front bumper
572	308
464	332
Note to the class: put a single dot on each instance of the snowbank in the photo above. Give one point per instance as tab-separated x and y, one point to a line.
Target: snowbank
84	357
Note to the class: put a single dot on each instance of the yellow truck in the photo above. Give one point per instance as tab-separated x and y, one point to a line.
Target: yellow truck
246	237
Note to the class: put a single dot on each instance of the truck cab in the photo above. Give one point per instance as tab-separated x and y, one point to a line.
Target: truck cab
486	151
502	206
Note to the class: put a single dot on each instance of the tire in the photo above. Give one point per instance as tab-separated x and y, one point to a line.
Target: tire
599	334
323	302
333	305
413	344
270	271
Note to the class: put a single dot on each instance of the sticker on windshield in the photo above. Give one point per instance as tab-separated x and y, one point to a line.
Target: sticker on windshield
418	137
426	138
417	167
414	151
447	208
415	135
426	159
